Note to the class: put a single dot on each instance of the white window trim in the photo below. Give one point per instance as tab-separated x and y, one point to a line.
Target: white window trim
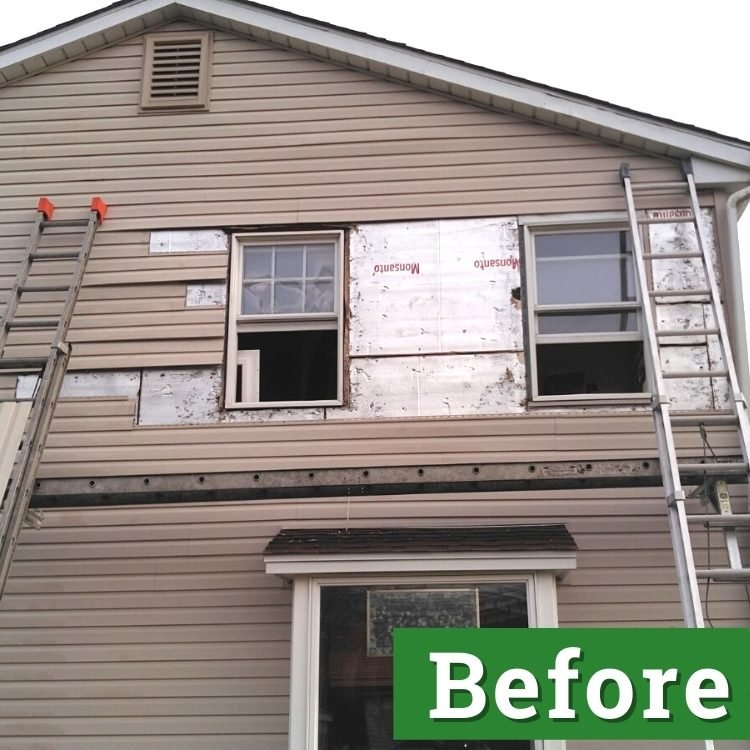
238	323
309	573
550	224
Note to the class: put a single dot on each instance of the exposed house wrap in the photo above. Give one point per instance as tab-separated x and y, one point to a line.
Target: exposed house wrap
157	626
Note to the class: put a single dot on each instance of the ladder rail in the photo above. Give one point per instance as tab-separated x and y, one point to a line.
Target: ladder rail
53	369
686	576
11	306
22	484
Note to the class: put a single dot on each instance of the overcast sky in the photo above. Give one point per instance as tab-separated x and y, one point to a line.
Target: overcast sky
682	59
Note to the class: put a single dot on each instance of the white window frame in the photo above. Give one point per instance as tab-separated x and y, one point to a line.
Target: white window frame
239	323
566	223
310	573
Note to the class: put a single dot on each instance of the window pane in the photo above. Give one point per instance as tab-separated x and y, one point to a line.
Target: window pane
257	262
289	262
319	296
600	367
356	676
586	280
256	298
321	261
587	322
582	243
287	297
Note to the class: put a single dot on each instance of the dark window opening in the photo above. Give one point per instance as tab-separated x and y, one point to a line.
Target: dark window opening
294	365
598	367
356	673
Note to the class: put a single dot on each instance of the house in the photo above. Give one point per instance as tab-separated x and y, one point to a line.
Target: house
359	342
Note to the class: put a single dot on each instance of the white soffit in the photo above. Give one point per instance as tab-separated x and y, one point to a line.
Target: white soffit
589	116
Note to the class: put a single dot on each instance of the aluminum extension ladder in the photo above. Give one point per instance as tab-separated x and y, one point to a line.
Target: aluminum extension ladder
24	424
675	469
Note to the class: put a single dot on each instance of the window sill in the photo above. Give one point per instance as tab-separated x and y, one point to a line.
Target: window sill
283	404
587	400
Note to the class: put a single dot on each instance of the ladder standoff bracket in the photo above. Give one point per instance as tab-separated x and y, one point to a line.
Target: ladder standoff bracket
46	208
739	398
62	346
676	496
659	399
98	205
624	172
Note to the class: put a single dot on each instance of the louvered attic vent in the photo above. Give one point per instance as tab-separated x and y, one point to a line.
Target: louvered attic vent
176	71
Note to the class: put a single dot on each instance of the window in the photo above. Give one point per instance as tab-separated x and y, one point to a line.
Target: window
285	327
346	602
585	322
176	71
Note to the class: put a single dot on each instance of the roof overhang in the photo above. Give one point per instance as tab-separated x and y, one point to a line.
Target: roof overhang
450	77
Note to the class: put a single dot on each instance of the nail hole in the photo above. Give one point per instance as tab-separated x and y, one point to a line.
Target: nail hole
91	483
476	470
589	467
311	475
532	469
646	464
201	479
365	473
39	484
256	477
420	472
146	481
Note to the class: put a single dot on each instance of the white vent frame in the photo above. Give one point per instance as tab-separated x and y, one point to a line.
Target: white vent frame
195	98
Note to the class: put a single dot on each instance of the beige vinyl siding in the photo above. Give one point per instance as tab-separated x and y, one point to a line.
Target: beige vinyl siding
289	139
80	447
131	310
157	627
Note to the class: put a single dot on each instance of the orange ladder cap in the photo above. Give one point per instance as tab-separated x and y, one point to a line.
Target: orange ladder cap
98	205
46	207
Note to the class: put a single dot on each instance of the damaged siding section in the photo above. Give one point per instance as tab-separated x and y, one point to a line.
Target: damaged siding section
434	287
686	353
435	325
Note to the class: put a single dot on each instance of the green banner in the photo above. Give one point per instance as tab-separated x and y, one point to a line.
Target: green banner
584	683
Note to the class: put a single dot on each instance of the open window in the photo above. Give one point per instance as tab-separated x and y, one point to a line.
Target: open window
584	313
285	328
352	587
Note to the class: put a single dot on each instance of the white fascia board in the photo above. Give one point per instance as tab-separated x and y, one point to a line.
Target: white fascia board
56	39
288	566
486	82
416	62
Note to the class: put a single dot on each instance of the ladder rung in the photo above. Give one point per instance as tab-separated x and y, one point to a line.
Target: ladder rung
33	323
65	223
724	574
673	220
664	333
644	187
56	255
690	374
713	468
709	420
22	363
729	520
670	256
679	292
45	288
